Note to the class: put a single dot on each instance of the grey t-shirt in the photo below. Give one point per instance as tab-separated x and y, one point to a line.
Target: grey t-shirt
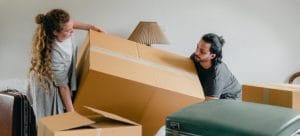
47	101
218	81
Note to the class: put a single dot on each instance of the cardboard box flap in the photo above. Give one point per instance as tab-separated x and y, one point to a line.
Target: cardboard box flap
136	70
166	58
148	63
65	121
293	87
110	42
141	51
111	116
283	87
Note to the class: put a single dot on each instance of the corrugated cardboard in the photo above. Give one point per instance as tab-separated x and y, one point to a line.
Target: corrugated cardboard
285	95
100	124
132	80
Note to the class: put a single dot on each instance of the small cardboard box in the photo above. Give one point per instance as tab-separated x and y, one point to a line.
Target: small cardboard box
135	81
100	124
285	95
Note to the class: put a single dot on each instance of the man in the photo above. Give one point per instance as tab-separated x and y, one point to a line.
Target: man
216	79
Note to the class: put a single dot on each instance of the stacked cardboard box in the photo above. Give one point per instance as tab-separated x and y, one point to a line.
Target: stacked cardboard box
285	95
140	83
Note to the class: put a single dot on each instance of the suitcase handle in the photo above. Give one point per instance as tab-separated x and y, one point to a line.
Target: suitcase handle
175	127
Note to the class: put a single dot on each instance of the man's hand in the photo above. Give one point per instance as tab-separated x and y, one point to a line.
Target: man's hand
210	98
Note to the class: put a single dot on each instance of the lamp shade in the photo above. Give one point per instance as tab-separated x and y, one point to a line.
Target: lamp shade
148	33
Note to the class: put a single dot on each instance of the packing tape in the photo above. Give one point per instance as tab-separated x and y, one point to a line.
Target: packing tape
98	132
144	62
266	93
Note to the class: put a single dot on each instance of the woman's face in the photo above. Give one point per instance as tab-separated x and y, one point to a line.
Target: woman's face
66	32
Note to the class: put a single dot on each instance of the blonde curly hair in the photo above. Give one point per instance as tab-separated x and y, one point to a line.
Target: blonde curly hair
43	39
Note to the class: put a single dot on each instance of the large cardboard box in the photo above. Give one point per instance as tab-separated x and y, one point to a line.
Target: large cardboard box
100	124
135	81
285	95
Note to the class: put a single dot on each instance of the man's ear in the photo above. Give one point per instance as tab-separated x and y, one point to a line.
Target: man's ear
212	56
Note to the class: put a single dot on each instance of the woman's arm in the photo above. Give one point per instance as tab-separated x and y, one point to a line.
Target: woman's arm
65	95
83	26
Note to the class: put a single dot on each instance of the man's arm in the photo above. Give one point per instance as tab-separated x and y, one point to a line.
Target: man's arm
210	98
215	90
215	87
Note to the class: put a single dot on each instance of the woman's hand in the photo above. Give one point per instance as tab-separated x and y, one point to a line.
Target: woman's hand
83	26
92	27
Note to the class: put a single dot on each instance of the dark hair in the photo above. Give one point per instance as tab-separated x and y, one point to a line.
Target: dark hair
52	21
217	43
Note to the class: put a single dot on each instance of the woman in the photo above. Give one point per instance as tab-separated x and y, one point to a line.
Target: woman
52	72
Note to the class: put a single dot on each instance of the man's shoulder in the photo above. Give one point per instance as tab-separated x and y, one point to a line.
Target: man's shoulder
221	65
221	68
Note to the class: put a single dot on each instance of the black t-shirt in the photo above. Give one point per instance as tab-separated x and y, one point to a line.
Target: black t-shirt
218	81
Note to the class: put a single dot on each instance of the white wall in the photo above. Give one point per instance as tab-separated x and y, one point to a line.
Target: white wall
262	35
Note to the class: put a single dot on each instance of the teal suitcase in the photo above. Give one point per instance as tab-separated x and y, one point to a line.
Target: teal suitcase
233	118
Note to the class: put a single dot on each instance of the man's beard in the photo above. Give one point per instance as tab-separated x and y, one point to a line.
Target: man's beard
198	59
